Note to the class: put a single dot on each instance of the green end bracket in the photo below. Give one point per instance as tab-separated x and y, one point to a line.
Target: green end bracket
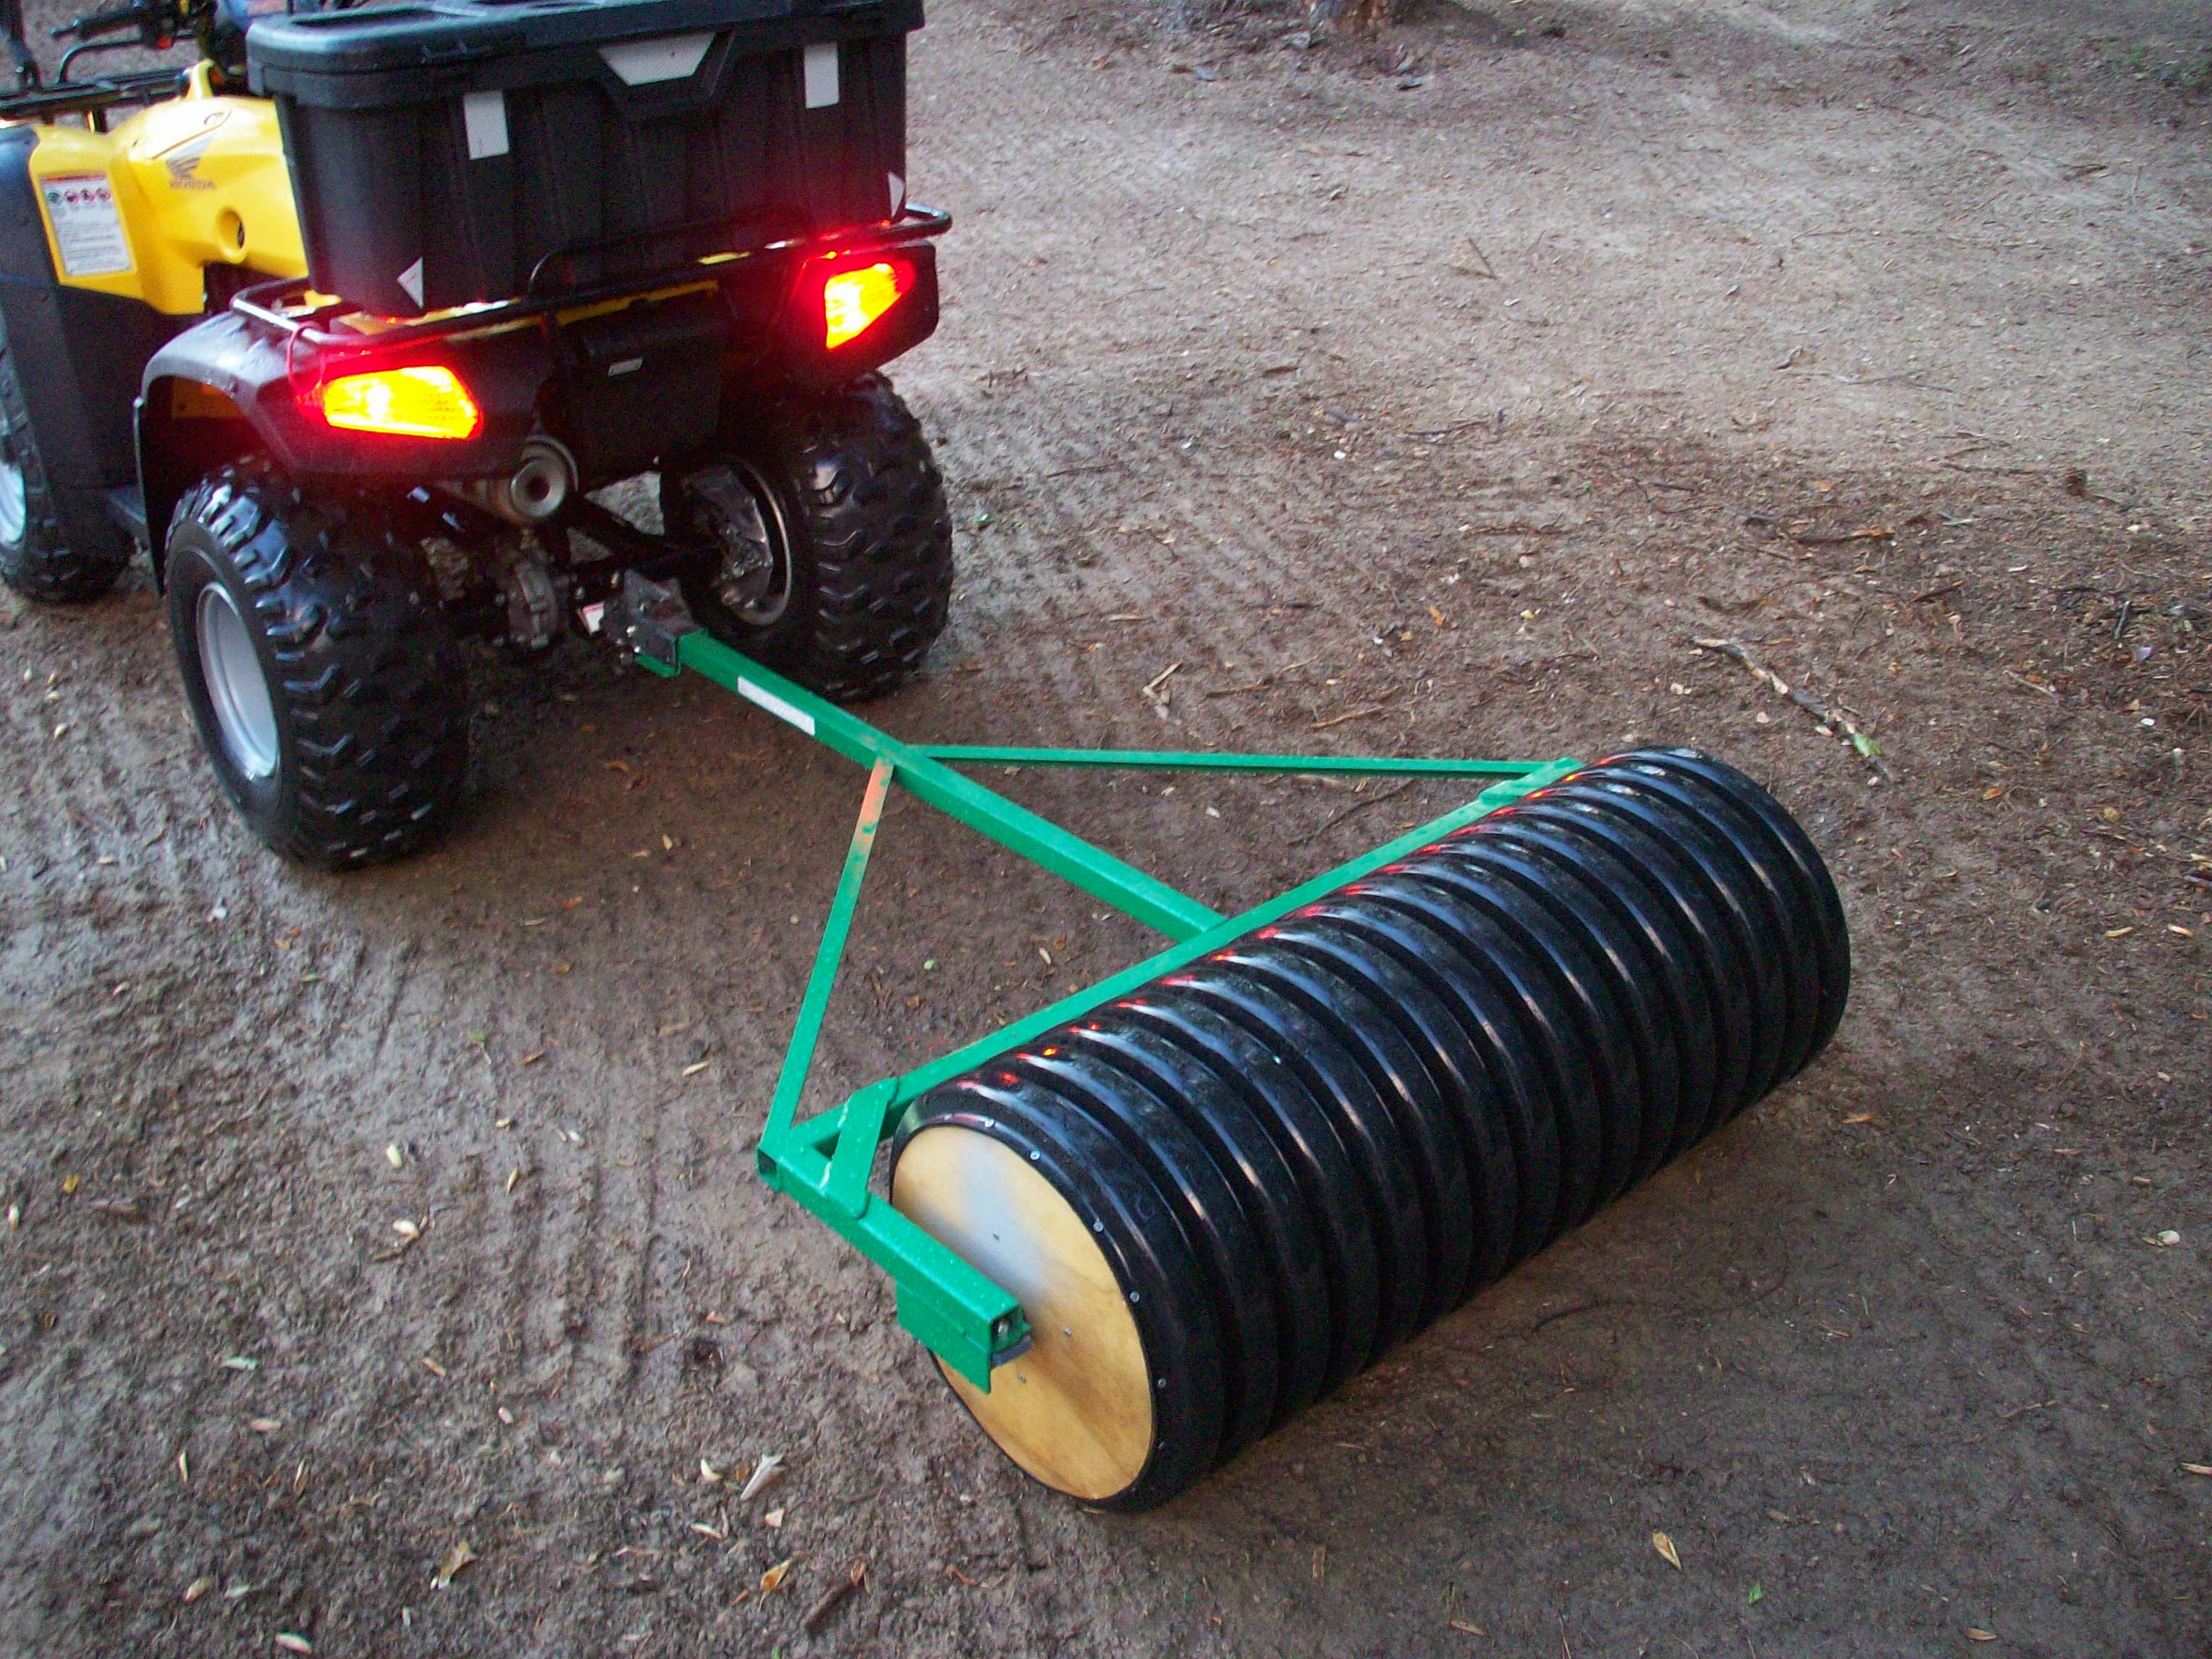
825	1162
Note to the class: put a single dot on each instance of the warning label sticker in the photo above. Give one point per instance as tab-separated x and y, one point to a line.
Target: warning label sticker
88	228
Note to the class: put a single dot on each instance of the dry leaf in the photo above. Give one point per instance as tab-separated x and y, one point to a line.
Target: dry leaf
409	1231
765	1471
456	1558
199	1587
772	1580
393	1156
1462	1625
292	1642
184	1468
433	1366
263	1424
239	1362
2198	1468
696	1067
774	1518
720	1535
1668	1553
709	1472
1974	1635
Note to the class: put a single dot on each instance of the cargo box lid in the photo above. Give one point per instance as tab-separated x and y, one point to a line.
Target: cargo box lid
309	55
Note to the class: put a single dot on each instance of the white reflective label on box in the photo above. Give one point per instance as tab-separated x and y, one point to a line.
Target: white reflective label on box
485	114
88	228
644	62
822	75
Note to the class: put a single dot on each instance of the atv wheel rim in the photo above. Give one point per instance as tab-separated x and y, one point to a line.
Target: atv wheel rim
736	505
237	690
14	505
1076	1410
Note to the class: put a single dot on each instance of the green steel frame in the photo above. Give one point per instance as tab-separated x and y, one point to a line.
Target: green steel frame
824	1162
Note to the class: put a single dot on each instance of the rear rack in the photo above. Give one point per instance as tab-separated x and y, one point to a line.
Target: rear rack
264	302
92	98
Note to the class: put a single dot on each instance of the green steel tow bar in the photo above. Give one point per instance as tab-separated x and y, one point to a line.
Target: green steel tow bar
825	1161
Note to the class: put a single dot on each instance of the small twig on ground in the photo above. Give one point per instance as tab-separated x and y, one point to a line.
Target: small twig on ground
1355	714
818	1614
1517	527
1862	745
1488	272
1873	533
1357	806
1155	693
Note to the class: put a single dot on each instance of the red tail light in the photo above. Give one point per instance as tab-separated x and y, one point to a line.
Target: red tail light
853	300
424	400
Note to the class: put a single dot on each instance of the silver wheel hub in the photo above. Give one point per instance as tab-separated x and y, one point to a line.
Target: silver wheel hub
733	506
14	501
237	689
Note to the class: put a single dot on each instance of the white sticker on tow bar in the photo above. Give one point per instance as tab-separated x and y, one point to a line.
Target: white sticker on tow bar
776	706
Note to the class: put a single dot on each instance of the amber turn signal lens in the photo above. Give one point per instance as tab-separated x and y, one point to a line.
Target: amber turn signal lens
427	400
853	300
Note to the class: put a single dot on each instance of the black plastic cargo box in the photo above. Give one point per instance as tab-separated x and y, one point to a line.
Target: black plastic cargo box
458	150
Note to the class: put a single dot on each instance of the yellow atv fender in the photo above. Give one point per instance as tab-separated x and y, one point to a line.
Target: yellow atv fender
110	243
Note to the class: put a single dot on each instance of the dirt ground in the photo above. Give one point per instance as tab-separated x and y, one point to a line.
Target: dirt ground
1430	397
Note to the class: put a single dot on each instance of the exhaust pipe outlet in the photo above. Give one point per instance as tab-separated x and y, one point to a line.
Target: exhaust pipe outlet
535	491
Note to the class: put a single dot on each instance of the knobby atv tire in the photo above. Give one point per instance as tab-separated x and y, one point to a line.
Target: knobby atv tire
869	541
67	551
365	678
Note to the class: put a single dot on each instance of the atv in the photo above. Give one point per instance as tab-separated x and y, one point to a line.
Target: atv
347	323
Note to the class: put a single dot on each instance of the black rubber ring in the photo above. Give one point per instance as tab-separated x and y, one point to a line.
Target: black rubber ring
1214	1223
1664	967
1140	1031
1708	865
1430	1015
1724	975
1388	1185
1427	1070
1507	999
1309	1137
1774	890
1635	981
1805	858
1577	978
